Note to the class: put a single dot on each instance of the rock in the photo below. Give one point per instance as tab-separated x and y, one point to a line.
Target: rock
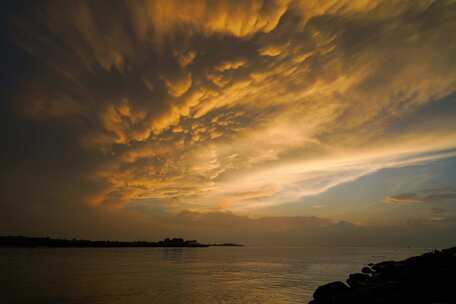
449	251
425	279
356	280
329	292
384	266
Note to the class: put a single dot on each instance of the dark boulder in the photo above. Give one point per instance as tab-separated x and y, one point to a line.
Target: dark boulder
329	293
356	280
424	279
384	266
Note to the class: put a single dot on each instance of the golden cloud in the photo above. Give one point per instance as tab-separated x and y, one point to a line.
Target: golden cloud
238	18
241	104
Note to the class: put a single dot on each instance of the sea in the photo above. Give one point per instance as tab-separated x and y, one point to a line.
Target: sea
212	275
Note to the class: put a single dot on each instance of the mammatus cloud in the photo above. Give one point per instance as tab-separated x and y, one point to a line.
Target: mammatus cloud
223	105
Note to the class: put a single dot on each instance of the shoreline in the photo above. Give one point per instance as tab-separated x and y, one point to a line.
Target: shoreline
426	278
47	242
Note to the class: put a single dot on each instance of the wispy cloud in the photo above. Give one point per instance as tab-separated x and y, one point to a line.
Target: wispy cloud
426	196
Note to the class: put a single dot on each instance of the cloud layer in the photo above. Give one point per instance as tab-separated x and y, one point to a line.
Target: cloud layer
219	105
425	196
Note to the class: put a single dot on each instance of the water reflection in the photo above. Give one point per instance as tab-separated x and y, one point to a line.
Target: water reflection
177	275
173	254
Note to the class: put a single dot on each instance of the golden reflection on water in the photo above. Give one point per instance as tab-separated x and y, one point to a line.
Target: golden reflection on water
179	275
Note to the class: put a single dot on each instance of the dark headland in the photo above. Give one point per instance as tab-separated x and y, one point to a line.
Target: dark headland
429	278
23	241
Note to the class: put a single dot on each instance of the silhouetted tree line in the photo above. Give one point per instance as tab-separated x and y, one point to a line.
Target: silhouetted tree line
23	241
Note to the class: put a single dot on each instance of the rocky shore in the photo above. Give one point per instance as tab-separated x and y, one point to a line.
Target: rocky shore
429	278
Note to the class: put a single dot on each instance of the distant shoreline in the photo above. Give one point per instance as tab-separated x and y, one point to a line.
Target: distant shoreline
32	242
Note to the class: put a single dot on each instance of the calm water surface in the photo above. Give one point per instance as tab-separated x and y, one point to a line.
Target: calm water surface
181	275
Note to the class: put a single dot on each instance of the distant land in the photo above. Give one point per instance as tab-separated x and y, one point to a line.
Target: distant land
24	241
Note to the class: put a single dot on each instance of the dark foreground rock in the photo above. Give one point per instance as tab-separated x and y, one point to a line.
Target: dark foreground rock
429	278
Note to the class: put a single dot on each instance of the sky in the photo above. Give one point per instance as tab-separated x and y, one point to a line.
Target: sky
281	121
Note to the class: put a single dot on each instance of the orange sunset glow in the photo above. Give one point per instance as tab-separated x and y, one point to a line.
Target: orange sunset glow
227	151
142	118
